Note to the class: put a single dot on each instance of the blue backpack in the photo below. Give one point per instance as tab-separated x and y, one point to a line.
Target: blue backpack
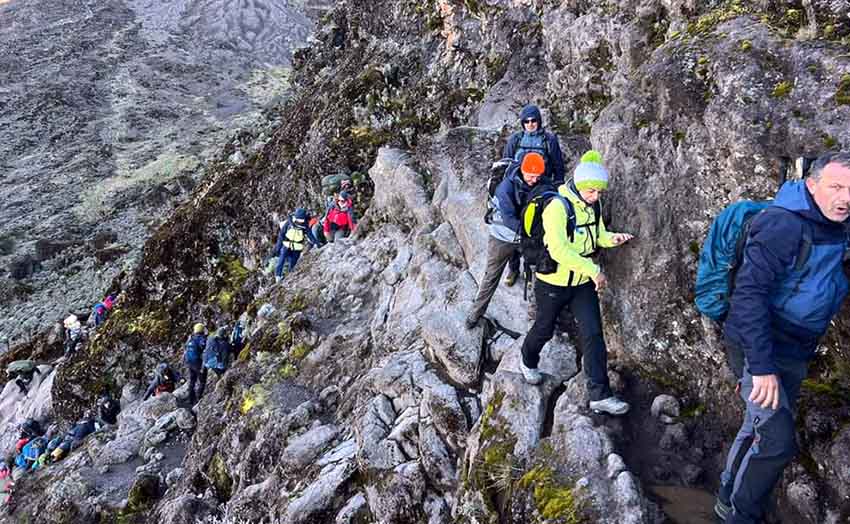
723	253
195	350
214	357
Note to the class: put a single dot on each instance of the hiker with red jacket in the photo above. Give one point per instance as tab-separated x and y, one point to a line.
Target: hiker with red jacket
339	222
101	311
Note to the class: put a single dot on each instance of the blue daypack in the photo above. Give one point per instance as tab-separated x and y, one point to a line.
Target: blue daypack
723	253
194	350
215	354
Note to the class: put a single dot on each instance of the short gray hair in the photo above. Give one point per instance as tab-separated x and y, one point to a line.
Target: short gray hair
833	157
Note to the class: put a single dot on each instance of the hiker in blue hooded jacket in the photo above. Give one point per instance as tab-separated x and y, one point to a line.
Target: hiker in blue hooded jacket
193	357
290	241
778	312
534	137
218	353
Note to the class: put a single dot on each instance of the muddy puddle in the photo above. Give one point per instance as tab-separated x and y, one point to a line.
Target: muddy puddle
685	505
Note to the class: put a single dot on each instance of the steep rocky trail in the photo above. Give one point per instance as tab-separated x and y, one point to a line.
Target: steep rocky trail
361	397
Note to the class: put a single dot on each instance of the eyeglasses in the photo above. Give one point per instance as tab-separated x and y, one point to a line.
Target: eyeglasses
530	121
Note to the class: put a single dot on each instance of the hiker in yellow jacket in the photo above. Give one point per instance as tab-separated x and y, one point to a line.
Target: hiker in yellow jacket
577	279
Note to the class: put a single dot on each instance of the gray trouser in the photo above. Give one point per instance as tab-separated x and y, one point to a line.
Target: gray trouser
498	255
765	444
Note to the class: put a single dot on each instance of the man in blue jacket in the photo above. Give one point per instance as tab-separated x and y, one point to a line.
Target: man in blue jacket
778	311
503	243
193	356
290	241
534	137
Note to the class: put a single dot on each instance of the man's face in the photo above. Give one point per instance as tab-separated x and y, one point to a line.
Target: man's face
530	124
590	195
531	179
832	192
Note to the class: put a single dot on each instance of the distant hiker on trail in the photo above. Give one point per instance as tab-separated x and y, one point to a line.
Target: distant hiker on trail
534	137
237	338
290	241
503	242
30	428
107	410
22	371
339	222
7	486
777	313
567	278
100	311
194	359
73	335
30	453
75	436
217	353
164	380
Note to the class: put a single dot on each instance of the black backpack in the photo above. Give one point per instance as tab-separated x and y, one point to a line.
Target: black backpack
503	169
534	252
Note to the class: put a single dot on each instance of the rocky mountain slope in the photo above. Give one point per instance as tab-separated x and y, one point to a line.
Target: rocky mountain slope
108	111
361	397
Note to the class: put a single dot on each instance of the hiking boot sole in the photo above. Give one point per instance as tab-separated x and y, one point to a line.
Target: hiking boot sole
722	510
616	413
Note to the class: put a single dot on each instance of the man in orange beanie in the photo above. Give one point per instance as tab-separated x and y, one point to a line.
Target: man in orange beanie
510	197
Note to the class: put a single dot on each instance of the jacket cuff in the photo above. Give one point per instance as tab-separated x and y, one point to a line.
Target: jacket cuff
762	368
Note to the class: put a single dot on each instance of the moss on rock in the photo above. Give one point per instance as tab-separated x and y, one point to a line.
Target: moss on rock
218	473
553	501
842	94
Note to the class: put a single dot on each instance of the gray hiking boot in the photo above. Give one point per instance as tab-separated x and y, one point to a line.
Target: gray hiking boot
471	322
611	405
531	375
722	510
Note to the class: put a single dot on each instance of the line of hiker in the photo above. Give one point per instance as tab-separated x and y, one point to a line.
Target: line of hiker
203	352
770	274
556	227
300	227
75	334
37	447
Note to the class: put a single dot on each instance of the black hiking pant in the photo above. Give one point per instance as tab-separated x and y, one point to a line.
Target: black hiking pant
583	302
199	377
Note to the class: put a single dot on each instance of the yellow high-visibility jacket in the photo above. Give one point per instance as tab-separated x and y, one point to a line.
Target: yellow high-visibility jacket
574	265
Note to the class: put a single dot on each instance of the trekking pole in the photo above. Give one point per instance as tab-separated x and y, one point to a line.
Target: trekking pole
783	170
525	286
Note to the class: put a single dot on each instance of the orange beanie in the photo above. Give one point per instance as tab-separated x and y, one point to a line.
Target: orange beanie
533	164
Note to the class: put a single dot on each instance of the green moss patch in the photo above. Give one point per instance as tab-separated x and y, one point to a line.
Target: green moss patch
218	474
554	502
782	89
708	22
842	94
